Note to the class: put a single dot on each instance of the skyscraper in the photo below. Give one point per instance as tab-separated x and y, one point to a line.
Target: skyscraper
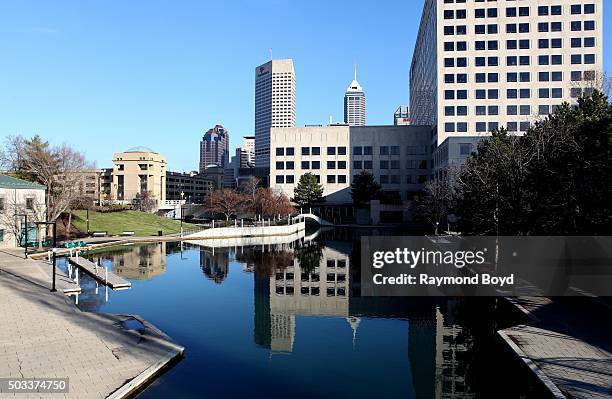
214	148
482	65
354	104
274	104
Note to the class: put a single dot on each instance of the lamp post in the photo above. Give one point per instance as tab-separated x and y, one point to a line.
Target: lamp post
25	223
181	203
54	260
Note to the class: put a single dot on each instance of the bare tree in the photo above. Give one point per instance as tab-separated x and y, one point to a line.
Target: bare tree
58	168
251	186
145	202
226	201
268	202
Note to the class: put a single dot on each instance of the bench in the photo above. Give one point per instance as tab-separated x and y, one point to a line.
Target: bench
99	234
128	233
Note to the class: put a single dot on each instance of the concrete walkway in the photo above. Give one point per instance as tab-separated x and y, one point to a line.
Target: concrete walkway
44	334
567	345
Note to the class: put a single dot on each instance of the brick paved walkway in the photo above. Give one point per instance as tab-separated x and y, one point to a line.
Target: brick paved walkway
568	345
44	334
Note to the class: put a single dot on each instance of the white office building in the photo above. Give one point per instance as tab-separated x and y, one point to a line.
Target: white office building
397	156
355	104
274	104
479	65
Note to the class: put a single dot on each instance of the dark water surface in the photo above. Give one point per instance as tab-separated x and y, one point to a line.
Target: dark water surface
288	321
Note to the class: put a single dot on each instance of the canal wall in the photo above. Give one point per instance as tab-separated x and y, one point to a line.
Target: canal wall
249	232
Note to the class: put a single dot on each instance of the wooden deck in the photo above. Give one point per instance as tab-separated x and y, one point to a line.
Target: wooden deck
110	279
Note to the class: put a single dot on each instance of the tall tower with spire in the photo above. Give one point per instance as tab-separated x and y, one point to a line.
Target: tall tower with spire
355	103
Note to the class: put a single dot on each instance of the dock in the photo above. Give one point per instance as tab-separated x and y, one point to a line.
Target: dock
101	275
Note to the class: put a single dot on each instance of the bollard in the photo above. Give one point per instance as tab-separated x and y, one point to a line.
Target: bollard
96	288
213	223
49	255
105	276
235	222
241	222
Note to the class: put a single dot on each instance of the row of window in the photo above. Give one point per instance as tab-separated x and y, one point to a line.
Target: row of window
522	60
492	29
493	77
523	44
289	165
483	127
481	110
511	12
290	151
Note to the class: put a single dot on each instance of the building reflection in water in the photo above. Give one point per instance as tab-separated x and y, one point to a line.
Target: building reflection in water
214	263
136	262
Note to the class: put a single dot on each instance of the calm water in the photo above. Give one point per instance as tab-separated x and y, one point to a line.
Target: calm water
288	321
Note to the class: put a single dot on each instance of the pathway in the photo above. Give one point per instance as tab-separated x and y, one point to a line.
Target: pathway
44	334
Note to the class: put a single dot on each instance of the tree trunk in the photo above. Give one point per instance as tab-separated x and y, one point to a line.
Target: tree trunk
69	223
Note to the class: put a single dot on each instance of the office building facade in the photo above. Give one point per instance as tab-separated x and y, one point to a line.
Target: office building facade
355	104
274	104
478	65
401	116
214	148
137	171
192	187
397	156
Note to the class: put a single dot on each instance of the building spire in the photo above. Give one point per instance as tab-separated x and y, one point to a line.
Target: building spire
355	69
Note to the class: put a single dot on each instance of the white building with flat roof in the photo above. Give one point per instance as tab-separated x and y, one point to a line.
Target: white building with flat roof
397	156
20	199
482	65
274	104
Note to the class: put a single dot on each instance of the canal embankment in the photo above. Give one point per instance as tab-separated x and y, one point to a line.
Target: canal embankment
44	335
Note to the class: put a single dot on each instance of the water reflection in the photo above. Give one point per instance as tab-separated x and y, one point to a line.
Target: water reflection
448	344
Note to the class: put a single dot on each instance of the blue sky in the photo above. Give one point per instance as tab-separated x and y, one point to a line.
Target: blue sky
104	76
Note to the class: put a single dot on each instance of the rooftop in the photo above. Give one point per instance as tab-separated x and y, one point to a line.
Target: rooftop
141	149
15	183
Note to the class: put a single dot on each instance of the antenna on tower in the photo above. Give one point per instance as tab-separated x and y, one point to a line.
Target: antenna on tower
355	69
270	50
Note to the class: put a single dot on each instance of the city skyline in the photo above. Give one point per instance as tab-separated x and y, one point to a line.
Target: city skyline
164	96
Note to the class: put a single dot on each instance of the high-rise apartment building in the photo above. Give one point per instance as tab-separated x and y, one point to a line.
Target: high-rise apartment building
355	104
274	104
479	65
214	148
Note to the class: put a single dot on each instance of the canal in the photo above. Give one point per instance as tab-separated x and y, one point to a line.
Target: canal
289	321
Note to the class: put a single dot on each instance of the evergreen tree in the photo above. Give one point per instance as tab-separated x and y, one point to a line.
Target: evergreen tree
364	188
308	191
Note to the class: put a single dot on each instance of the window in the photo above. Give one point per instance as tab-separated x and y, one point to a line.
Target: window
341	164
341	180
462	127
492	29
556	59
576	25
448	14
557	76
331	164
449	127
523	11
575	92
449	46
492	12
543	77
395	164
542	10
289	151
523	28
511	77
524	93
305	150
543	110
543	92
556	43
280	179
280	151
511	126
524	44
493	77
316	150
556	26
479	29
280	165
555	10
542	26
511	44
367	164
331	150
461	30
511	12
481	127
525	110
30	203
367	150
575	9
481	110
480	61
461	46
576	76
525	76
543	60
462	62
395	150
511	110
479	13
589	8
384	179
460	14
461	110
316	165
357	150
305	165
289	165
480	94
384	164
449	78
511	60
493	110
341	150
461	94
449	111
331	179
480	78
589	25
511	93
357	164
543	43
462	78
524	126
589	58
576	59
449	62
524	60
449	30
589	42
493	94
556	92
384	150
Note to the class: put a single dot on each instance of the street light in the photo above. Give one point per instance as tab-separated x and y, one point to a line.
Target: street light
54	223
25	249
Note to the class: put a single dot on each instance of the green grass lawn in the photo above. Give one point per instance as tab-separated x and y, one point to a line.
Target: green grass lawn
141	223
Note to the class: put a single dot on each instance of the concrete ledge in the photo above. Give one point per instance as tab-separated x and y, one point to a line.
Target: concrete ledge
247	232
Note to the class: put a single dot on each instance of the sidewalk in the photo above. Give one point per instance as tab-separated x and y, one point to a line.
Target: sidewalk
567	345
44	334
